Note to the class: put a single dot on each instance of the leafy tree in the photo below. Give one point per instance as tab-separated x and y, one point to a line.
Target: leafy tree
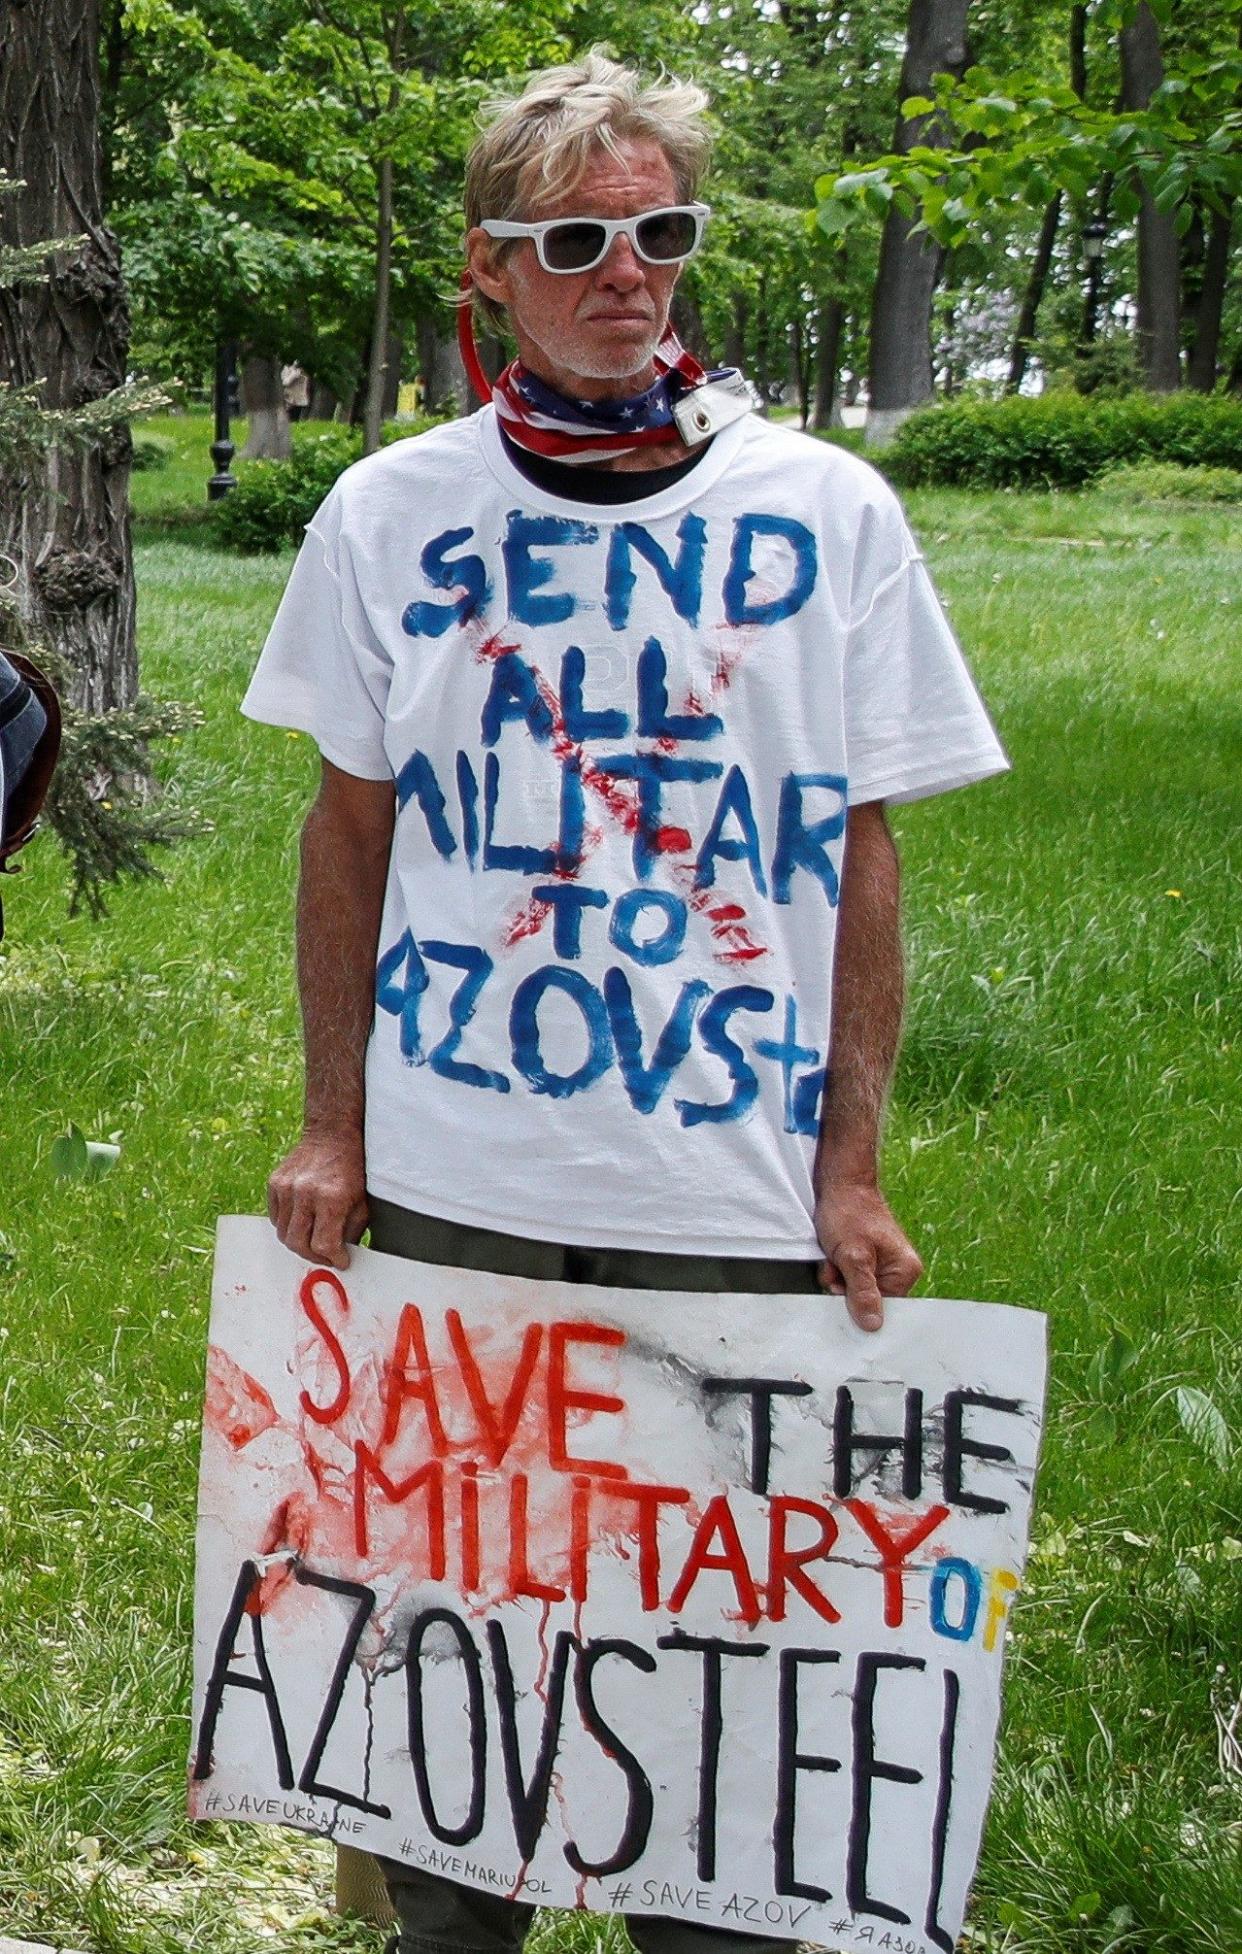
309	167
911	259
1018	139
796	90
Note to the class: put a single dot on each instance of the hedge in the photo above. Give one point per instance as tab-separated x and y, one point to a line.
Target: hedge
1061	440
1171	481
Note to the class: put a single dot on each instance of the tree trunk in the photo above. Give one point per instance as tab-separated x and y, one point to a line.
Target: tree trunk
1028	316
112	56
800	369
735	333
910	264
1209	305
443	375
263	404
65	521
949	371
378	380
1142	71
763	357
377	369
826	413
689	327
1078	52
393	357
1024	331
323	402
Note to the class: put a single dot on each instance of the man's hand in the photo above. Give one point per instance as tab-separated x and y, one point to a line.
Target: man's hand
317	1197
866	1253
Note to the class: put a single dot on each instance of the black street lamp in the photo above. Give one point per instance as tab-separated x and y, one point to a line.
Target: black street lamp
1093	237
222	449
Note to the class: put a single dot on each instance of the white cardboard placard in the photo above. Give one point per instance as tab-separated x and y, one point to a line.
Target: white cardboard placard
641	1601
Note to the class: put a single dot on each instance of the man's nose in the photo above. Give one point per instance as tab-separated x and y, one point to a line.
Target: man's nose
622	267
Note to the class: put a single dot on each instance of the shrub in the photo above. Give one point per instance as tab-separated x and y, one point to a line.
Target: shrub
1168	481
1061	440
274	500
1108	365
151	450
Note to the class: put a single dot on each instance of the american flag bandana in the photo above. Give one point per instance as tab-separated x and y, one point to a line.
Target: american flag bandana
579	432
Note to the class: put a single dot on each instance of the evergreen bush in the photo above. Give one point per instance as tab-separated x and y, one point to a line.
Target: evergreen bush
1061	440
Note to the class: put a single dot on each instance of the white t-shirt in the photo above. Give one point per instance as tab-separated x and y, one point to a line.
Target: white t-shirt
624	739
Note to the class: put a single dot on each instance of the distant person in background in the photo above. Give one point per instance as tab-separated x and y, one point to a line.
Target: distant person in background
296	384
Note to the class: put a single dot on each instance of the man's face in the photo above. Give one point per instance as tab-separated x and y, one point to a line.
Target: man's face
589	334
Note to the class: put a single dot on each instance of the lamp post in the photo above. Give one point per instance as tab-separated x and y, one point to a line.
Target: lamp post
1093	237
222	449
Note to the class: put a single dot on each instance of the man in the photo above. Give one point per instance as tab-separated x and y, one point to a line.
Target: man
608	714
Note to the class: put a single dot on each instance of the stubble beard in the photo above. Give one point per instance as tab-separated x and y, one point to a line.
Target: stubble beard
591	355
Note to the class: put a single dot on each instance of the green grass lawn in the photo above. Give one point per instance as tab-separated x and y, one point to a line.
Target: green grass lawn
1064	1135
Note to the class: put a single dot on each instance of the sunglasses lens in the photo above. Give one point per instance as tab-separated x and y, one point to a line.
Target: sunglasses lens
668	236
573	246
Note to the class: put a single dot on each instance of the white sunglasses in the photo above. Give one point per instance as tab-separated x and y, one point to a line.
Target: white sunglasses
569	244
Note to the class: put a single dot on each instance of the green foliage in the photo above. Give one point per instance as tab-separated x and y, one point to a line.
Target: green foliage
104	805
249	144
1108	365
274	500
1169	481
1202	1419
1060	440
151	450
1005	142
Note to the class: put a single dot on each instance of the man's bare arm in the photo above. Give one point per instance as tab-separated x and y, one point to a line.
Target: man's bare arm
866	1254
317	1195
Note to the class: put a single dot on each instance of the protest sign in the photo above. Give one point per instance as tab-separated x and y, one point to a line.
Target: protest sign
641	1601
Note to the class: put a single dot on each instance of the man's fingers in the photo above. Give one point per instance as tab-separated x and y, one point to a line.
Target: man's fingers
316	1199
327	1239
854	1275
298	1225
280	1207
866	1254
862	1291
901	1271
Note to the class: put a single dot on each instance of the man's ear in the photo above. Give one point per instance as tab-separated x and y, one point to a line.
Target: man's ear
486	267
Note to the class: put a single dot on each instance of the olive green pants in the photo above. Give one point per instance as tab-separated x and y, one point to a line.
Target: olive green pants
435	1914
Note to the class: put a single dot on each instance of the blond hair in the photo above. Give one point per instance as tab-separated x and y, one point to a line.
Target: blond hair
537	145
